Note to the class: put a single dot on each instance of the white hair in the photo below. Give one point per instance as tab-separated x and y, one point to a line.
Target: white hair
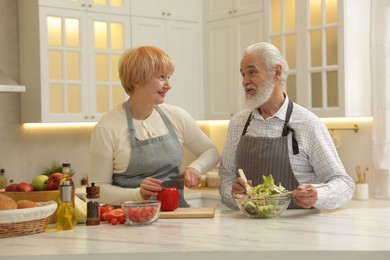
271	57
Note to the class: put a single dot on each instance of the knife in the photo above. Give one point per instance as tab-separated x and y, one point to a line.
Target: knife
173	183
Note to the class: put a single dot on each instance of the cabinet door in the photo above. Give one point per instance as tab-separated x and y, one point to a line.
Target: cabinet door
226	39
182	42
146	31
104	6
64	78
184	45
330	59
219	9
109	38
185	10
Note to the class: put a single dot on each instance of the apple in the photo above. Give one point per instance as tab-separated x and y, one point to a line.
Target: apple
11	187
24	186
53	181
39	182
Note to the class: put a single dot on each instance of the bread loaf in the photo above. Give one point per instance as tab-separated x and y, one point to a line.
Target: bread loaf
22	204
6	203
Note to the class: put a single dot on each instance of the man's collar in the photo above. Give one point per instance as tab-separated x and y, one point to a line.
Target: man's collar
281	113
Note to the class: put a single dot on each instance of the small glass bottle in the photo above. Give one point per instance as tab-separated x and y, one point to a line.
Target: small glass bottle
3	179
66	213
93	194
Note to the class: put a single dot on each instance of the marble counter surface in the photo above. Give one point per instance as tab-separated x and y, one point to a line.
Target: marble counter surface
358	230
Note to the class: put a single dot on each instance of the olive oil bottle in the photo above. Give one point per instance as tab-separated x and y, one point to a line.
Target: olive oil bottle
66	213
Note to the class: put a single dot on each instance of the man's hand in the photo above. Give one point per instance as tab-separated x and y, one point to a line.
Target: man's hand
305	198
239	186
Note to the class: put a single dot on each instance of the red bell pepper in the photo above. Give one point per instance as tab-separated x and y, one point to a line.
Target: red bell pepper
169	198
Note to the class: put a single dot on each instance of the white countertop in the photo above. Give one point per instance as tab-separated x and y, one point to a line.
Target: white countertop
358	230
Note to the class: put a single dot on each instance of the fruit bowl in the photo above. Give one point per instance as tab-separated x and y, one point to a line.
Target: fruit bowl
266	207
139	213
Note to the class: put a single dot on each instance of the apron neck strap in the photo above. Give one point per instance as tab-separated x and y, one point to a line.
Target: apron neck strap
287	129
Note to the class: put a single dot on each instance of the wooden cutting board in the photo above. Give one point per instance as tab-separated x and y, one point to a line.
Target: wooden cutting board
188	213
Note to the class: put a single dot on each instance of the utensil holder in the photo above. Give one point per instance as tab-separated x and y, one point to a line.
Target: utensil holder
361	191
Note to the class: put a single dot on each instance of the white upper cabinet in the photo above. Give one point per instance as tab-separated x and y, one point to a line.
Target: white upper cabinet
69	61
220	9
225	41
103	6
327	46
182	41
183	10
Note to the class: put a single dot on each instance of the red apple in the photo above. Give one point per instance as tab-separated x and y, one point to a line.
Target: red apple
11	187
54	181
24	186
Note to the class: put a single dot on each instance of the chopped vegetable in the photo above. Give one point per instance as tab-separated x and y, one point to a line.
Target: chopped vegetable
267	188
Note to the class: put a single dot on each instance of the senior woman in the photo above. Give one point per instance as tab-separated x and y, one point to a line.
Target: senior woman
139	144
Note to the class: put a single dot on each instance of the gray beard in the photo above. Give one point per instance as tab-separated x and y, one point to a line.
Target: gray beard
263	94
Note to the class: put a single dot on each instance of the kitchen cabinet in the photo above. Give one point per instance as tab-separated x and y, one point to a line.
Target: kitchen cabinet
69	58
225	41
181	10
220	9
329	59
103	6
182	40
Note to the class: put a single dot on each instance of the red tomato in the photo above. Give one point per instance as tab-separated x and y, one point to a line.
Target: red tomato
122	220
169	198
115	213
114	221
104	209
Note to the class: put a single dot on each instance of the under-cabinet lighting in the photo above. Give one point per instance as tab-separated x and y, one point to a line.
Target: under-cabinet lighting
346	119
59	125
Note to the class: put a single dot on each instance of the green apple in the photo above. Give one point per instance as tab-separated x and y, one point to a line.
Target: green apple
39	182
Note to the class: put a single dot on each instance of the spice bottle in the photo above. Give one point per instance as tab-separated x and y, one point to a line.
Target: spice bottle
3	179
66	213
93	194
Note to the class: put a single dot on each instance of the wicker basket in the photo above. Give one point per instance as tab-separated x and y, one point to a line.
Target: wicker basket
23	228
19	222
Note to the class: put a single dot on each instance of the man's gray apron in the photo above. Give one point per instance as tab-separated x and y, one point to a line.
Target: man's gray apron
259	156
159	157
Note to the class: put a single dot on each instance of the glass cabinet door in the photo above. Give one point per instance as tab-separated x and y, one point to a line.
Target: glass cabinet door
323	62
306	32
283	34
63	62
109	41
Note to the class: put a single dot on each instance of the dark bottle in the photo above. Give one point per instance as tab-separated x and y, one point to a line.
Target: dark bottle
93	205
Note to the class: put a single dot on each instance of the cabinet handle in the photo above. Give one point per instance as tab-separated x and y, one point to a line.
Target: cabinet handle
82	5
168	14
92	117
230	12
163	13
234	11
89	5
86	117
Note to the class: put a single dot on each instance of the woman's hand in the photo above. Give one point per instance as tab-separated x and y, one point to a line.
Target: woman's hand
150	187
191	177
305	198
239	187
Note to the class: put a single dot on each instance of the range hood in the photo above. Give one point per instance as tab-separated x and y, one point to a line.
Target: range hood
7	84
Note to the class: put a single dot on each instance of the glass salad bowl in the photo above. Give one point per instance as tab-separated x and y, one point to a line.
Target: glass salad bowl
263	207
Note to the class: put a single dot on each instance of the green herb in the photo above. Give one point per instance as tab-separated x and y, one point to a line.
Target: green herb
55	167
